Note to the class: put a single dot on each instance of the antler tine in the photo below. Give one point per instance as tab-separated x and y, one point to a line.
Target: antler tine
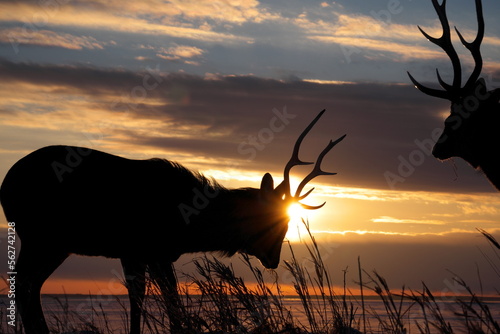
474	47
294	160
429	91
316	172
444	42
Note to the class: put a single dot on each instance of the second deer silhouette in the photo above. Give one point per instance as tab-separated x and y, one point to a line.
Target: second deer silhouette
471	130
69	200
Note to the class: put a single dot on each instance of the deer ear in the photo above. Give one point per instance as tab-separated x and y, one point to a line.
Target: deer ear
267	184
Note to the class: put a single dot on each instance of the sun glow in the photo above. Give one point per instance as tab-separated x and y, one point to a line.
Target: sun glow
295	210
296	227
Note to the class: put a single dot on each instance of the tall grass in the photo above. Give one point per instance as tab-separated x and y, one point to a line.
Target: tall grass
227	305
223	302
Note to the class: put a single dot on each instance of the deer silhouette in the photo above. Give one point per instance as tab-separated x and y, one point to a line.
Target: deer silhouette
72	200
470	130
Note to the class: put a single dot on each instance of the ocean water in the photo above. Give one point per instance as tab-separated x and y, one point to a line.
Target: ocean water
110	313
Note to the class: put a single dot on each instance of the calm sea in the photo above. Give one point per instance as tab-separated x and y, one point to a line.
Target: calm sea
109	313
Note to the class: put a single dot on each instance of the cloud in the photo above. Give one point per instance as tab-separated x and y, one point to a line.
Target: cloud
217	27
371	235
406	52
175	18
392	220
184	51
181	52
467	202
217	116
358	25
400	42
483	208
232	11
409	213
367	32
213	22
48	38
409	260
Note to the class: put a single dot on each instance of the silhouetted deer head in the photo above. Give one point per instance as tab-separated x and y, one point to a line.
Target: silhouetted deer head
70	200
279	199
471	130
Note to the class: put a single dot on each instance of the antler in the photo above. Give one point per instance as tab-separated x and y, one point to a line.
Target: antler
284	187
475	47
315	172
453	91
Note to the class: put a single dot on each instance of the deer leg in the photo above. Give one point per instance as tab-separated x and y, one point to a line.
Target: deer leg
33	267
135	277
164	276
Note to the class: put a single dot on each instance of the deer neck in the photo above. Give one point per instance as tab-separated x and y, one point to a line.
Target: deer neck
491	168
216	226
487	147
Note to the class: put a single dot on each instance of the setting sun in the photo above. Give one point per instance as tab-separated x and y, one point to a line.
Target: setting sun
295	210
296	227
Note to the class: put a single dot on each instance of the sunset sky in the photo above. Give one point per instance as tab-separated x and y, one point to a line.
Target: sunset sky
203	82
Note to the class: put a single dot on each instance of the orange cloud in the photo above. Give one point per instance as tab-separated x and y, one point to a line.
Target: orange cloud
231	11
368	32
465	200
392	220
149	17
404	50
179	52
96	18
18	36
374	235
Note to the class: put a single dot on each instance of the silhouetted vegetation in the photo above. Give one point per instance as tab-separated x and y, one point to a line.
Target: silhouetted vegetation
224	303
